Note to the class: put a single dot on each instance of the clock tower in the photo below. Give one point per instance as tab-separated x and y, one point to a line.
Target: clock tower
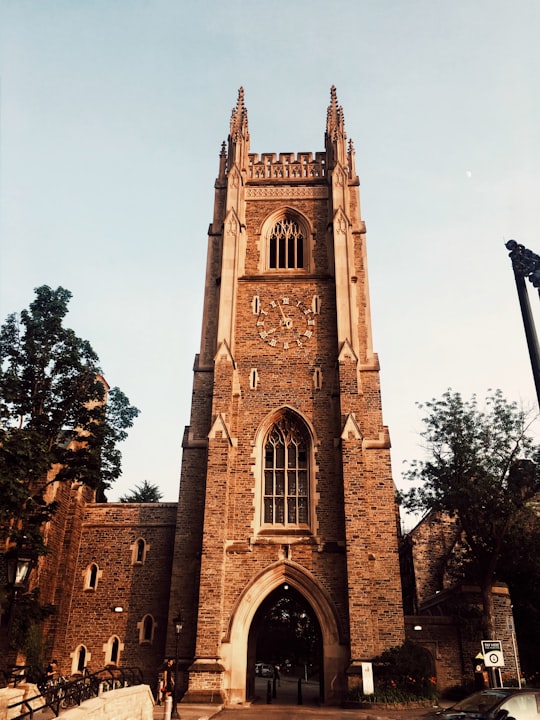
286	492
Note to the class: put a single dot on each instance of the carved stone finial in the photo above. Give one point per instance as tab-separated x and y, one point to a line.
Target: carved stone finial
239	124
335	136
335	121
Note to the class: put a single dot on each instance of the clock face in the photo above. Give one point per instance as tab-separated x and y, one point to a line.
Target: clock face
285	322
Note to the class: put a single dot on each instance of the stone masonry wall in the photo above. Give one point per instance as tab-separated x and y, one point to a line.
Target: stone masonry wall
109	534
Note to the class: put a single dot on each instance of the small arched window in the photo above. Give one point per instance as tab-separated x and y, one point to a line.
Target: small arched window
79	660
286	475
138	551
286	246
146	629
91	576
112	651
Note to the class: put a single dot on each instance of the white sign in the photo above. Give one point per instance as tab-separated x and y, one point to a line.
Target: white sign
493	655
367	679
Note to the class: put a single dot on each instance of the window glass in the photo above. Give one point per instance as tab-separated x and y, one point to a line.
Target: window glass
286	246
285	481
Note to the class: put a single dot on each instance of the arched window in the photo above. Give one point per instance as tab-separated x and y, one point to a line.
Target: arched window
79	660
286	474
286	249
146	629
139	549
112	651
91	576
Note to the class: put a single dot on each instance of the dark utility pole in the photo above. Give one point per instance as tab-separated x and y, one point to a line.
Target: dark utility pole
178	623
526	264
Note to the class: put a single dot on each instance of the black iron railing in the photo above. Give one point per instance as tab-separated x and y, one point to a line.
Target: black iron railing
63	693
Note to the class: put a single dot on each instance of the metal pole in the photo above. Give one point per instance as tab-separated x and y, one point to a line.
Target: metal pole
516	657
526	264
530	330
174	713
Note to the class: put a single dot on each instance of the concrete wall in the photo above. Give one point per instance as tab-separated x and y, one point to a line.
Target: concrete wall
131	703
12	695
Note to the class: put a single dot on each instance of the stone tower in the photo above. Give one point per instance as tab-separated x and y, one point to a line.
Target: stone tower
286	482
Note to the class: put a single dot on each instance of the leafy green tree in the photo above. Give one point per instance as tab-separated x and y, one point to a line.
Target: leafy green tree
145	493
482	470
58	421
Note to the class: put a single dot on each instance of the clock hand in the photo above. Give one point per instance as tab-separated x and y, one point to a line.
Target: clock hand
286	322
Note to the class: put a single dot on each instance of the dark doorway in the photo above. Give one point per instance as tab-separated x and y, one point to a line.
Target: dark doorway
286	634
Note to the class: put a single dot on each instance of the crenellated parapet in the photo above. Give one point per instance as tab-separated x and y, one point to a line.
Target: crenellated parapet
288	167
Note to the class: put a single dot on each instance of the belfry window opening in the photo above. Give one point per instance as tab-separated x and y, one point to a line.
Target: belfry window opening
286	246
286	481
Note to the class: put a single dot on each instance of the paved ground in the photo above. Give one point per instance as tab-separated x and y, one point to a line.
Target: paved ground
285	707
262	711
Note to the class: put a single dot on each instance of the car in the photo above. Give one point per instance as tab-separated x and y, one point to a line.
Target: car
264	670
496	704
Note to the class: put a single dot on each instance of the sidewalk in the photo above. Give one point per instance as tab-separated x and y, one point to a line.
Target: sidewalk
288	712
284	707
189	712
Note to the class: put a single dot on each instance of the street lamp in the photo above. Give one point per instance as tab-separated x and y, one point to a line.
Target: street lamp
19	563
177	622
526	264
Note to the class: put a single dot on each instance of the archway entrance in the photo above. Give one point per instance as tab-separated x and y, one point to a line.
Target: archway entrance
261	595
285	650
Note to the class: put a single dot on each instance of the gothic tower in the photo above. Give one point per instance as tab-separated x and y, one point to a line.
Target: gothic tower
286	483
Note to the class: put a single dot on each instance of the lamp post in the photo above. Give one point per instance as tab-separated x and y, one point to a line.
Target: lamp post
526	264
19	561
177	622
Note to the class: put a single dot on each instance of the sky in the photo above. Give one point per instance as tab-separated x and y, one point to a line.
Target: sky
112	115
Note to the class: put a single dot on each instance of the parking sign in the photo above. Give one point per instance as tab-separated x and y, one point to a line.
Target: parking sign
492	651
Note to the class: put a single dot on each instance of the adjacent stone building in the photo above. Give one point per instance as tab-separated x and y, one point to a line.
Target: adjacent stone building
286	483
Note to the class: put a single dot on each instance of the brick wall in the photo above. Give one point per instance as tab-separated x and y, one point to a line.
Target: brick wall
107	538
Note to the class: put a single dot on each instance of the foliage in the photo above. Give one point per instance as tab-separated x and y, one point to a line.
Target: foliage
519	567
289	630
402	674
408	667
145	493
482	470
27	614
57	422
389	695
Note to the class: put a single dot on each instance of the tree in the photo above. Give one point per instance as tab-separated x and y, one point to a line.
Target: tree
145	493
58	420
520	568
482	470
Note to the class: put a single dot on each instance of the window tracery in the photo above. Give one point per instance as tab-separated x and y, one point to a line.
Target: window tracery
286	245
286	475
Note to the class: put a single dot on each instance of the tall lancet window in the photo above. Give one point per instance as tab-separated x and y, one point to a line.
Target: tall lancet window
286	246
286	475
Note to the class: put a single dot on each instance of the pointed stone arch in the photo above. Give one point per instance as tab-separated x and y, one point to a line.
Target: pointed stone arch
274	414
305	228
334	640
271	419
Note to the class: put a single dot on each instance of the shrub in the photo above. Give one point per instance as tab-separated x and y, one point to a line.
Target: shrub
402	674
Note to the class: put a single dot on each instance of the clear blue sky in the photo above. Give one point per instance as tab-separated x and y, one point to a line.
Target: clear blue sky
111	119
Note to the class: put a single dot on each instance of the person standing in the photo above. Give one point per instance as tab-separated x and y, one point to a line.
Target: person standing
168	677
